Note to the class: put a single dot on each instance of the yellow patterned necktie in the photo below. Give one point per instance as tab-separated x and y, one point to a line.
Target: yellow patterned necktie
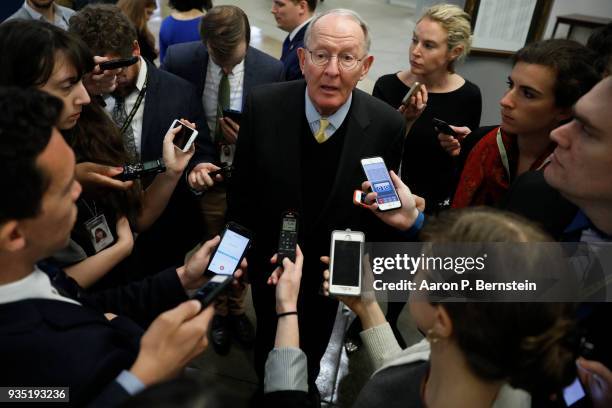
320	135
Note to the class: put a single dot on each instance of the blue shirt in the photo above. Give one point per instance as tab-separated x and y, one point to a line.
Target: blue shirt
175	31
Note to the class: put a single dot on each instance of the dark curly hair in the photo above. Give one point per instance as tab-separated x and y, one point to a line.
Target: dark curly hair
27	117
105	30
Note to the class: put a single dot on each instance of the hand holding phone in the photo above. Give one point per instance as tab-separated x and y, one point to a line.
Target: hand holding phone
413	90
442	127
225	260
345	266
185	137
378	176
234	115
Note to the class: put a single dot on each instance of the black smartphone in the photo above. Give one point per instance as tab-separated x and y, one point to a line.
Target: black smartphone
287	240
233	115
118	63
225	170
442	127
235	241
138	170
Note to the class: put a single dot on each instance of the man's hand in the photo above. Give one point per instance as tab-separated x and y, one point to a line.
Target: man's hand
287	280
597	379
451	144
174	158
417	104
100	82
172	340
401	218
93	175
199	179
230	130
192	275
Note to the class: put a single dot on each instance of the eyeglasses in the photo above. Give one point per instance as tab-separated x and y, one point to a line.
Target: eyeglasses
345	60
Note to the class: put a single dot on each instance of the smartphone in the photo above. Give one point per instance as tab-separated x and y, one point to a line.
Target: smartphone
235	241
442	127
413	89
574	395
185	137
233	115
346	253
287	240
118	63
225	170
378	175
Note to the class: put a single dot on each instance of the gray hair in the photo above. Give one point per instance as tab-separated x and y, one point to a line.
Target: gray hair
341	12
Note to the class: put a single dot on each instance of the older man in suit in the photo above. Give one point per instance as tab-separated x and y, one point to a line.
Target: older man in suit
144	105
299	148
224	68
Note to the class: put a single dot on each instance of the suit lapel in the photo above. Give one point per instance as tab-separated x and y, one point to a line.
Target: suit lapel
354	142
151	106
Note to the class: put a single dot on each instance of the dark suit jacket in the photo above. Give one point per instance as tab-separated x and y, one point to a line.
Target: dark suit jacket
178	229
190	61
54	343
290	58
267	177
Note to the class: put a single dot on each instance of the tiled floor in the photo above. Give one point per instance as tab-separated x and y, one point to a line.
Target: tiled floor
232	377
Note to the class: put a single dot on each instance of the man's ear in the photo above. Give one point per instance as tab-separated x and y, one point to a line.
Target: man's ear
136	49
11	237
443	325
301	52
365	66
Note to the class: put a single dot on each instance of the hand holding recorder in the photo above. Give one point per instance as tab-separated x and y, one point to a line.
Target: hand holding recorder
450	137
287	278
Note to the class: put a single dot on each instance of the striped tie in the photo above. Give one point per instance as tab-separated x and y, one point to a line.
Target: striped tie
320	135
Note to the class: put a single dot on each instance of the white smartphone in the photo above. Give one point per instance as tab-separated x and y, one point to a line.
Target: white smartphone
345	263
413	89
185	137
378	175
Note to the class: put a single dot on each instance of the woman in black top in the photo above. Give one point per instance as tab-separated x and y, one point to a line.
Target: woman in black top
442	37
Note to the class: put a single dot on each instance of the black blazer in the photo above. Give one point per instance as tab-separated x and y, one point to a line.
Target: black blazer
179	227
268	173
54	343
290	58
190	61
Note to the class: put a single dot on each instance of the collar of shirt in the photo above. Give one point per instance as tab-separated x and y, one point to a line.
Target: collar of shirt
582	223
335	121
298	28
57	12
142	75
237	70
36	285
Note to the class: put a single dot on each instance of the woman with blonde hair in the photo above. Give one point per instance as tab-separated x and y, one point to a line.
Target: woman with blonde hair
139	12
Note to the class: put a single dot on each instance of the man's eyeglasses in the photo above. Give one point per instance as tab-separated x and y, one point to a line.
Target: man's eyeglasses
345	60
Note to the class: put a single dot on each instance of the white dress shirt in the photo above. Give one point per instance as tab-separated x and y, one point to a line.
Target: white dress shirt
36	285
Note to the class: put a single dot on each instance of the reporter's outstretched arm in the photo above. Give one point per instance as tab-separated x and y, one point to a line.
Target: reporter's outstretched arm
156	197
286	368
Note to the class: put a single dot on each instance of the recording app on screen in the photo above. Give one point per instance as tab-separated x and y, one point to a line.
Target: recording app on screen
228	254
381	183
346	263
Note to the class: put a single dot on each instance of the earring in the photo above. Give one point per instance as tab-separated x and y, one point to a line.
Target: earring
432	336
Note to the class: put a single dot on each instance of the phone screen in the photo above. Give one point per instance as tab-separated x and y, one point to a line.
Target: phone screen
183	136
229	253
381	182
573	392
289	224
346	263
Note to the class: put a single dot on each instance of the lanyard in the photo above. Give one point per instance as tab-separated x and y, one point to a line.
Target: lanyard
141	95
502	153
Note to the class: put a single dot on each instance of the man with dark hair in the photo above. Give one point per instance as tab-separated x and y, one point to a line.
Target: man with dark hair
224	68
293	16
301	142
54	334
144	105
45	10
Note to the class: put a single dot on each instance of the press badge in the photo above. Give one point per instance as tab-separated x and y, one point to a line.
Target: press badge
99	233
